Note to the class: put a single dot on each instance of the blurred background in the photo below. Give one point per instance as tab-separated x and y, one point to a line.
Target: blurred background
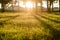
24	5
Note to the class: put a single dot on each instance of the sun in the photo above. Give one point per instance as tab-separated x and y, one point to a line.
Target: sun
29	4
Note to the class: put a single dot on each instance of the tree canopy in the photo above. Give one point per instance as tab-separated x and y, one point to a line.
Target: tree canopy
51	0
5	1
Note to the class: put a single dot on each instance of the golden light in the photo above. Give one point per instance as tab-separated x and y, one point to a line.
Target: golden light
21	4
39	4
29	4
0	5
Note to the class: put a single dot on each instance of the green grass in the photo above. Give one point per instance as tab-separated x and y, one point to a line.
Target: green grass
25	26
50	21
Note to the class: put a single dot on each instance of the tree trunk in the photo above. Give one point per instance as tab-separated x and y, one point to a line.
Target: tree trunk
36	6
48	6
41	5
59	5
3	8
52	6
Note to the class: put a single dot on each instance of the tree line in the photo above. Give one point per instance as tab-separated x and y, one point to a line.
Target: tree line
49	4
3	3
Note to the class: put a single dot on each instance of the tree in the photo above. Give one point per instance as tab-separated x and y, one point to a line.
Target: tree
3	3
59	5
49	3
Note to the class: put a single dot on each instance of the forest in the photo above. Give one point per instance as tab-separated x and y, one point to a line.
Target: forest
29	19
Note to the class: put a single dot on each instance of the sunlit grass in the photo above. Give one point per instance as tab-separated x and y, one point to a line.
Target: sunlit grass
23	26
51	19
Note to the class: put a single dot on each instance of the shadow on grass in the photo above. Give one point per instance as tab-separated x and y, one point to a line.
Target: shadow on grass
2	23
55	33
51	19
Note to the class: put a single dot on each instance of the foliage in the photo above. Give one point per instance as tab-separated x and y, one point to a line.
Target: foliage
4	2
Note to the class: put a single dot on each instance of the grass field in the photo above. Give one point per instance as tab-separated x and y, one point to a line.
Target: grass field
27	26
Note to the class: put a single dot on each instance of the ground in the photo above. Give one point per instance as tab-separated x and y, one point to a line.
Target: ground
30	26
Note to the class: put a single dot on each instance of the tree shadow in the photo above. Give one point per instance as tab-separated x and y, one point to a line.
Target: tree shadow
2	23
55	33
51	19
